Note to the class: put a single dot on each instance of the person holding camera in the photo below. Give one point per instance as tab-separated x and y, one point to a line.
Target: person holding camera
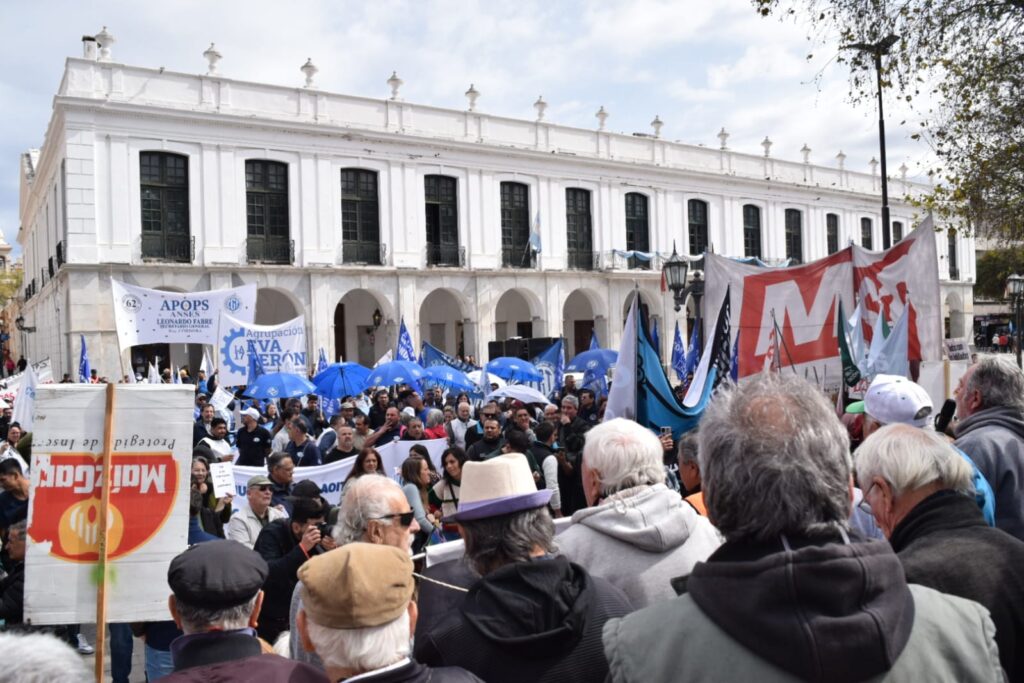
286	544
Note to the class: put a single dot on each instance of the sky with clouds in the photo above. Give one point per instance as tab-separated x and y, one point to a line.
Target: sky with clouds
697	64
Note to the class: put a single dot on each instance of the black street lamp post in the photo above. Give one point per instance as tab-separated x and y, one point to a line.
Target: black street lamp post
1015	288
675	270
876	50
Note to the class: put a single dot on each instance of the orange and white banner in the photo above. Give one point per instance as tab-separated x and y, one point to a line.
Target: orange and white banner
147	518
804	300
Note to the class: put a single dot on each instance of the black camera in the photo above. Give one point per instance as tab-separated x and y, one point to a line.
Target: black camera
324	529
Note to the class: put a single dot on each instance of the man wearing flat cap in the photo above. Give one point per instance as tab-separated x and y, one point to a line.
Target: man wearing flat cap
533	616
216	603
358	615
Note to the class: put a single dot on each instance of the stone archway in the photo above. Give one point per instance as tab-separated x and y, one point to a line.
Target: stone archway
578	322
275	306
514	316
441	318
360	327
954	317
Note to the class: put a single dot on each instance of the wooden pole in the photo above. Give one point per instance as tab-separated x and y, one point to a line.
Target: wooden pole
945	379
101	561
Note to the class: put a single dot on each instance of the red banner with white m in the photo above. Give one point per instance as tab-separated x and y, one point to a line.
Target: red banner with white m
803	300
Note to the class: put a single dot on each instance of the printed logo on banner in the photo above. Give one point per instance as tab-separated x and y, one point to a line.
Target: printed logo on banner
232	303
131	303
234	350
67	502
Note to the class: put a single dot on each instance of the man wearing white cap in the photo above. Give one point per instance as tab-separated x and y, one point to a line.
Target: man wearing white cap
533	616
892	399
252	440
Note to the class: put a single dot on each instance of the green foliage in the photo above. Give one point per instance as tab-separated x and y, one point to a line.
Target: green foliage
993	268
969	56
9	284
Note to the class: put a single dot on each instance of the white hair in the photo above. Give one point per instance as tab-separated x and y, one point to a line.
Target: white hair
910	458
361	649
40	658
625	454
366	498
200	618
1000	382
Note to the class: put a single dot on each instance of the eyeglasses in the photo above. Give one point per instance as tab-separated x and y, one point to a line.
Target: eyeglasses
864	505
404	518
263	487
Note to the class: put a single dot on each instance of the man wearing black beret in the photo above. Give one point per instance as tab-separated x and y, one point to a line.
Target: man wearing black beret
216	603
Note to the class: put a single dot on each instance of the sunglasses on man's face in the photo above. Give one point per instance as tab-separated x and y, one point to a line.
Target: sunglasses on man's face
404	518
264	488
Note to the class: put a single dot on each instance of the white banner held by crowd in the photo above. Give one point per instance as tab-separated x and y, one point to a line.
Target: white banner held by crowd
152	316
282	348
149	499
330	478
9	387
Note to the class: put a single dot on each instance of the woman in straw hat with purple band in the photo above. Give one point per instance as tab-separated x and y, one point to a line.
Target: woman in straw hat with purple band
533	616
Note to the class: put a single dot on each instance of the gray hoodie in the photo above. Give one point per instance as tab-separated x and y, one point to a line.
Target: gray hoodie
994	438
638	540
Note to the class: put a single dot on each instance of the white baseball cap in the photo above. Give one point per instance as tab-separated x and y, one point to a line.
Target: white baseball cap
252	412
893	399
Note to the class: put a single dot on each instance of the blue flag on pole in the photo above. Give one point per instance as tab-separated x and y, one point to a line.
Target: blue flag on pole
655	340
255	364
678	355
331	406
405	350
431	355
594	346
551	364
84	371
734	363
692	353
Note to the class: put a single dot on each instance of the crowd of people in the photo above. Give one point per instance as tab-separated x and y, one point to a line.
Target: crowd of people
764	545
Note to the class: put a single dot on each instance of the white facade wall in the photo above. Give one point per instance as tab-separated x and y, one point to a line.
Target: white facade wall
85	195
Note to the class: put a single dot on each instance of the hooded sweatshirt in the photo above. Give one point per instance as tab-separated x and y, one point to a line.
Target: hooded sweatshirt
818	611
994	439
639	539
539	621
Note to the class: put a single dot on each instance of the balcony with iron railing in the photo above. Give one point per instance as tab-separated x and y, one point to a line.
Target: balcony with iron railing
159	246
367	253
583	260
60	254
270	250
518	257
446	255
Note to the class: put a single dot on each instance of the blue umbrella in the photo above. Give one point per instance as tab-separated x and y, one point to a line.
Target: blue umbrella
515	369
448	377
395	372
341	379
596	361
275	385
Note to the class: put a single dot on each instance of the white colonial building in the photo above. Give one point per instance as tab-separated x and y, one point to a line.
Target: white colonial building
353	210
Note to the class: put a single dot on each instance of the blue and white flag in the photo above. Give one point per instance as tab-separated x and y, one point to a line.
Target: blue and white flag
535	235
714	362
330	406
430	355
83	363
405	350
551	364
594	346
255	368
678	355
692	352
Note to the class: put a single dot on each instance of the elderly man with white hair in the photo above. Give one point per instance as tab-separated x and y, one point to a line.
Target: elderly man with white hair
790	596
636	533
358	614
919	490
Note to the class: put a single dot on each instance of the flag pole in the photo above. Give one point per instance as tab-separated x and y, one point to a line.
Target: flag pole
101	592
782	342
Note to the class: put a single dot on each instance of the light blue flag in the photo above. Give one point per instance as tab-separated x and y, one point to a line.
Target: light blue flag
693	352
734	363
84	371
594	346
255	364
405	350
535	235
431	355
599	384
331	406
678	355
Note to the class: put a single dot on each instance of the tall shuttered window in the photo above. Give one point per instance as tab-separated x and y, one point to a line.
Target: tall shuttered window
266	203
165	213
637	229
441	193
697	212
832	232
866	229
516	251
360	217
579	229
794	236
752	231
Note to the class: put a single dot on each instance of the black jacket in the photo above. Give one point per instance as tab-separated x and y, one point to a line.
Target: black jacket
482	448
253	447
414	672
945	544
12	595
279	547
230	656
531	621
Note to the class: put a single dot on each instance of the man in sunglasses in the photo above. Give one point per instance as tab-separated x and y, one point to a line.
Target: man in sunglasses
246	524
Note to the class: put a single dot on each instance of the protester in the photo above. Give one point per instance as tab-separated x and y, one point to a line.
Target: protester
39	658
281	472
571	434
373	511
990	407
252	440
689	472
444	495
379	409
588	407
390	430
532	616
286	544
413	431
790	596
920	492
490	444
12	585
347	410
636	533
367	462
217	603
415	486
434	425
521	422
216	442
358	616
301	447
201	429
314	415
14	499
217	511
247	523
543	451
362	430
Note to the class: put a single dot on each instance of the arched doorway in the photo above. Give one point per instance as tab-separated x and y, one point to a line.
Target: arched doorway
648	311
360	332
578	317
513	316
954	319
273	307
441	322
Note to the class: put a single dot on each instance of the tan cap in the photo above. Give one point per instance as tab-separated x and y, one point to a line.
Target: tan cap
357	586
